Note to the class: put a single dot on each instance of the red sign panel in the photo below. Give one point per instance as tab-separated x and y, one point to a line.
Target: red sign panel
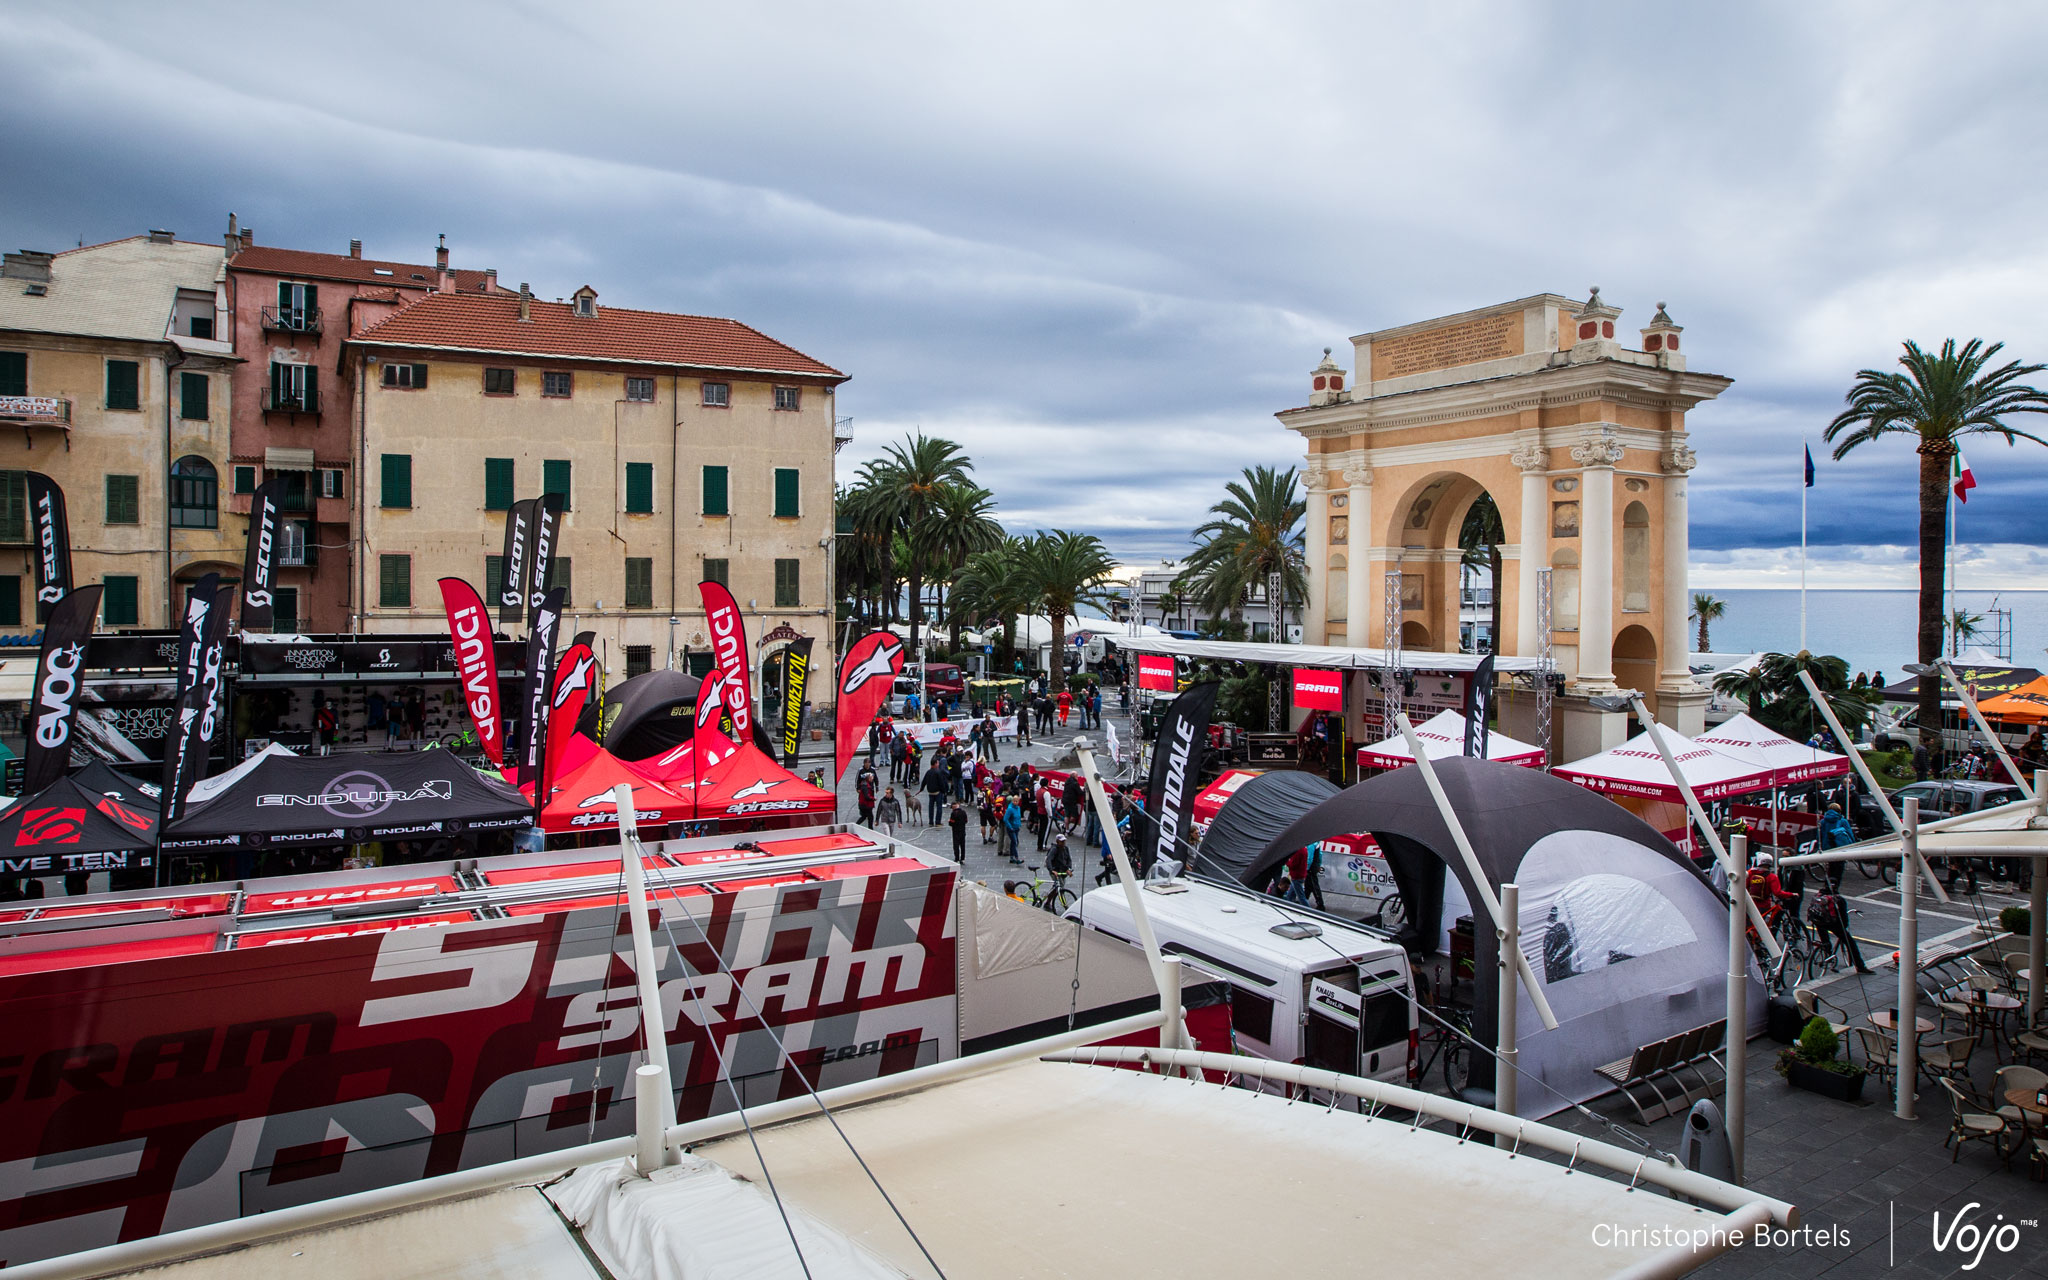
1318	690
1155	672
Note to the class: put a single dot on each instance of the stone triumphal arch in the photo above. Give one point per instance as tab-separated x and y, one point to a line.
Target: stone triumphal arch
1580	442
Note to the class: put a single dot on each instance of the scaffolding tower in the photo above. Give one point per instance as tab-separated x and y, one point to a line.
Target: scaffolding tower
1546	664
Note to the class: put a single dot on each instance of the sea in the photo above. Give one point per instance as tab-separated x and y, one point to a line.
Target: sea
1873	630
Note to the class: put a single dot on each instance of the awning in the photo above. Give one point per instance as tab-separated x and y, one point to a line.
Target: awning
276	458
1636	768
1318	655
1789	760
1442	736
2027	704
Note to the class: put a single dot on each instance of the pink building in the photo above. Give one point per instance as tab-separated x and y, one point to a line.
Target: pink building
290	312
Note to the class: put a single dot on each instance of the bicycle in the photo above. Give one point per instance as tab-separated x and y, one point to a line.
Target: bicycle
1447	1042
1053	895
460	740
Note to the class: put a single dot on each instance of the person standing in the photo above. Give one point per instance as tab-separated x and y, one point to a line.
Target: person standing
1013	822
864	790
985	808
1834	830
957	820
899	747
324	720
935	788
1066	704
874	739
888	812
1095	705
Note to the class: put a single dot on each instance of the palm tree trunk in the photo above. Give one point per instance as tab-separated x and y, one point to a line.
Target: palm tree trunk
1703	636
1056	660
1493	625
1934	468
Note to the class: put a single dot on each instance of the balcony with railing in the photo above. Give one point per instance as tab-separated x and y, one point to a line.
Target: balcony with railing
36	411
291	319
305	400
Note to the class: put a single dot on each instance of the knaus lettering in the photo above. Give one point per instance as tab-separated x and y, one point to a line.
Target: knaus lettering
60	685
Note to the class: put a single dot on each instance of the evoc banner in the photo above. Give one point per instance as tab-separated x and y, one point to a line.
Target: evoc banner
867	675
1478	708
259	562
729	656
192	633
532	737
1176	768
511	600
540	555
52	542
796	676
57	688
469	630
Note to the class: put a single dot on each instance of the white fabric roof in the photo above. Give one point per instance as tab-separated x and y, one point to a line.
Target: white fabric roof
208	788
1443	735
1319	655
1789	760
1635	768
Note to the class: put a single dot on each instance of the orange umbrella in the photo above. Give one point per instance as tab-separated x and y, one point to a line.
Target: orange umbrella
2028	703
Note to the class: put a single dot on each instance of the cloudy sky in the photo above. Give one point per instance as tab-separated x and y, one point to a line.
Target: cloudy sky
1101	244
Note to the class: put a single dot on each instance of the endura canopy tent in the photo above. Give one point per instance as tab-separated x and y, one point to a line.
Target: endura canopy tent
1789	761
1443	735
1260	807
1629	941
316	800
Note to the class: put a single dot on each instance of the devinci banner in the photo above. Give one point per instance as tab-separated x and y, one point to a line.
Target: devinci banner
469	630
729	655
52	553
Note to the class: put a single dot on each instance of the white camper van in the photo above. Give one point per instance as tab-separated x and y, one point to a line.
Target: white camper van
1305	987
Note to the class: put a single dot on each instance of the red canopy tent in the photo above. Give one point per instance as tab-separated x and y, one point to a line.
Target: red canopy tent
1209	801
582	799
747	786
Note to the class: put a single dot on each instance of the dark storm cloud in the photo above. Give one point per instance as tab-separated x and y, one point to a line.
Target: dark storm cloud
1100	246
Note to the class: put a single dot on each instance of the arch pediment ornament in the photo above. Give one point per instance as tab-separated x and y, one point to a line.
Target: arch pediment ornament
1602	450
1358	477
1532	457
1315	480
1680	459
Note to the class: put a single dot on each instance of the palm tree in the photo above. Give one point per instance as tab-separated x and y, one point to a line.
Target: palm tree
1963	627
1749	685
1790	709
1256	532
1169	607
1707	609
962	522
1061	570
1938	400
907	482
991	586
865	564
1479	539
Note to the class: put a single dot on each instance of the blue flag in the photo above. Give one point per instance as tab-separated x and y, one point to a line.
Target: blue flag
1809	467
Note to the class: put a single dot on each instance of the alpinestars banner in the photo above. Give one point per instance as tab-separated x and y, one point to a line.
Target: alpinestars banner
511	600
58	687
540	556
713	735
729	655
867	674
192	632
1478	706
533	696
52	542
796	676
575	678
469	630
1176	768
259	562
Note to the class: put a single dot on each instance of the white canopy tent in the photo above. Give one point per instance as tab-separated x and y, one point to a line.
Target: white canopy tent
1443	735
1322	655
1789	760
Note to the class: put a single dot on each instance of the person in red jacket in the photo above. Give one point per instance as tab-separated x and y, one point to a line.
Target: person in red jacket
1066	701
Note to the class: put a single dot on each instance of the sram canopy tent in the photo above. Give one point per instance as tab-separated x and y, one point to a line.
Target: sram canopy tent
1636	768
1209	801
1262	805
1789	761
1443	735
324	800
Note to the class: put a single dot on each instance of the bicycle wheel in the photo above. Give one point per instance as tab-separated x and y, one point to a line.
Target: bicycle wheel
1870	867
1889	870
1457	1067
1058	900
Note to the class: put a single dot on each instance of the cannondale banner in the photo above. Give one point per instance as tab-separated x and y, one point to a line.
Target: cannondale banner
52	542
193	628
796	677
540	555
259	562
866	676
1176	768
575	679
469	631
729	655
511	600
1478	706
532	737
57	688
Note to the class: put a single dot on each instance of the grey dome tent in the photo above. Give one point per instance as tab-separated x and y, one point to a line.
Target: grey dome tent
1628	939
649	713
1255	813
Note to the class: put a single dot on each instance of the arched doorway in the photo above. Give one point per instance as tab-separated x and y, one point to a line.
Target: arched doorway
1449	530
1635	661
1415	636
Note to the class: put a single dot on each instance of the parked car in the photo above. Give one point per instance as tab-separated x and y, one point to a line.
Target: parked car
1947	797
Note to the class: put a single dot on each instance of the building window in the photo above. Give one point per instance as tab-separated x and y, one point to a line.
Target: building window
497	484
561	573
717	395
555	384
298	305
494	579
295	494
640	390
13	373
639	582
394	582
639	488
786	595
714	491
117	602
124	384
10	600
245	479
195	494
405	377
586	303
718	571
192	397
13	506
554	478
293	388
201	327
500	382
790	398
785	492
397	481
284	610
124	503
330	482
639	660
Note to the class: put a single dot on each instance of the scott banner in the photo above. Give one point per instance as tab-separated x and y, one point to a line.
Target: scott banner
1176	767
259	562
55	707
1318	689
729	655
866	675
469	631
512	564
52	542
192	633
1155	672
532	734
1478	707
796	676
540	554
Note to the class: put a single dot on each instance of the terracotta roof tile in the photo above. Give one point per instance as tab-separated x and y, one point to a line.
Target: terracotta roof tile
491	323
339	266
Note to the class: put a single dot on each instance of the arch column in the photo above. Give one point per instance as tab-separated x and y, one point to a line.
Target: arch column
1676	672
1534	460
1315	482
1597	458
1358	568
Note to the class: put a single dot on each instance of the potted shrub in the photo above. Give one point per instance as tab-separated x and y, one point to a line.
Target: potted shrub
1813	1064
2016	920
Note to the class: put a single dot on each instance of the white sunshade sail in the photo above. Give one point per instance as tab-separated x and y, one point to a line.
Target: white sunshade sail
1789	760
1636	768
1443	735
1319	655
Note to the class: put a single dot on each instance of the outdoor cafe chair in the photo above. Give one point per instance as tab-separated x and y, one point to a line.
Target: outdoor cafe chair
1812	1005
1972	1122
1879	1055
1949	1059
2004	1081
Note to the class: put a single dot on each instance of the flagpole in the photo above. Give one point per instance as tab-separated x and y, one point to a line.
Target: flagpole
1804	485
1953	645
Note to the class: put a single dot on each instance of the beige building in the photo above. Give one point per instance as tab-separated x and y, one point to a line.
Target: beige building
1582	444
686	447
111	370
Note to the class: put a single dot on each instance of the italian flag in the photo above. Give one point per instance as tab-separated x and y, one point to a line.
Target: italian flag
1961	478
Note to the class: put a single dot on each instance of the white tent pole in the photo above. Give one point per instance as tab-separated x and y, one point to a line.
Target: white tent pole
1133	897
650	1152
1699	816
1507	1056
1884	802
1907	1054
2037	920
1736	1038
1970	704
1471	860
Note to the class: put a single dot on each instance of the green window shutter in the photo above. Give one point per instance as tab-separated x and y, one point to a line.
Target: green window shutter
117	603
561	573
554	478
785	584
245	479
123	500
714	491
10	600
718	571
419	376
785	491
124	384
640	488
397	480
639	582
13	506
13	373
394	582
497	484
192	396
494	578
